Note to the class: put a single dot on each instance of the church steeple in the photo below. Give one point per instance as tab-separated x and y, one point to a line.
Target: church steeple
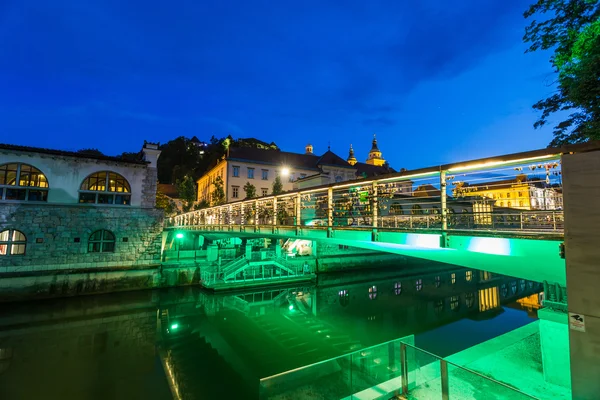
351	159
375	157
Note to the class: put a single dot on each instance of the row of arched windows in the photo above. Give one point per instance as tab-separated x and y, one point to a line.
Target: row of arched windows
23	182
14	242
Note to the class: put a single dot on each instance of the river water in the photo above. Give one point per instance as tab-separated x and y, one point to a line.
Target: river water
201	345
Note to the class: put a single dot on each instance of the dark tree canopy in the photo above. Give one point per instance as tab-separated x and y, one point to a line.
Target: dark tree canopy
572	31
250	190
181	157
186	189
218	193
277	186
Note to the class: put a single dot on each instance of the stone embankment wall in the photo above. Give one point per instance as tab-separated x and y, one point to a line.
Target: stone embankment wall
57	261
58	236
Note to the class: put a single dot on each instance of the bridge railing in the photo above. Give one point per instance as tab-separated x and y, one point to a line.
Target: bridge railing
385	370
523	194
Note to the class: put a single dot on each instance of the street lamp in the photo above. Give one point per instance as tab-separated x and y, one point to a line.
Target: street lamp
179	237
285	171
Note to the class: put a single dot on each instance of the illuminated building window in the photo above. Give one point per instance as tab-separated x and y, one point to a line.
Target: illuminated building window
22	182
513	287
105	188
101	241
504	290
468	276
454	303
397	288
522	285
372	292
438	281
235	192
344	297
236	171
12	243
419	284
453	278
470	300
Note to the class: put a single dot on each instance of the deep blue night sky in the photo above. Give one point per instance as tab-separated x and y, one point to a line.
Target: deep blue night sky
438	81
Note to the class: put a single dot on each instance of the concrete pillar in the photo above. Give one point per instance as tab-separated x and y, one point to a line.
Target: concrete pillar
581	188
554	341
212	252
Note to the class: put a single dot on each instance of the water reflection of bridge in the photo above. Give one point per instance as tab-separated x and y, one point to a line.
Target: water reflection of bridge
261	333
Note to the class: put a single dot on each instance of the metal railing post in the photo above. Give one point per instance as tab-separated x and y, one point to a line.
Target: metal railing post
298	211
444	379
330	207
521	219
255	215
274	213
404	368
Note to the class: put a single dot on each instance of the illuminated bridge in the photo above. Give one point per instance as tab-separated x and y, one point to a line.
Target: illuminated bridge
501	214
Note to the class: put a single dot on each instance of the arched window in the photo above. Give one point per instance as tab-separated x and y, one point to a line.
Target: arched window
396	209
105	188
101	241
12	242
344	297
22	182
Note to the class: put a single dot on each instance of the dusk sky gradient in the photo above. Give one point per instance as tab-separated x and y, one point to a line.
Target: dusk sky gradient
437	81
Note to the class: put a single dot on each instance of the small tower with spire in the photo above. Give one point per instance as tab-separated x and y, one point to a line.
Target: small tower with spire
351	158
375	154
309	149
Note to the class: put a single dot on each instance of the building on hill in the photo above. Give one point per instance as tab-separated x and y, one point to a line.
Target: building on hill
259	167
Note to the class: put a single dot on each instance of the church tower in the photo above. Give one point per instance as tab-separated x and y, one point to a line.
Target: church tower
375	154
309	149
351	159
